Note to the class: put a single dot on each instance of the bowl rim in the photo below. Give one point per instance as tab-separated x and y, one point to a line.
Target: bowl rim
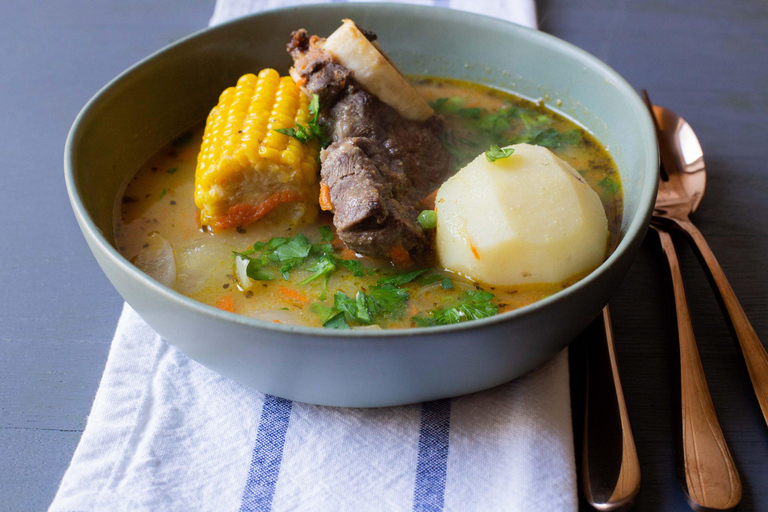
634	233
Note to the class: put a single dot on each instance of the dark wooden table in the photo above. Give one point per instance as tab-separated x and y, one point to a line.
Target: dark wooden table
708	60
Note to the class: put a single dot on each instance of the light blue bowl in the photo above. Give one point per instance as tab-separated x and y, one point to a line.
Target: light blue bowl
155	100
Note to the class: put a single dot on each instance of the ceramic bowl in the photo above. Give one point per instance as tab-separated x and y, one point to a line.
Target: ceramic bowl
161	96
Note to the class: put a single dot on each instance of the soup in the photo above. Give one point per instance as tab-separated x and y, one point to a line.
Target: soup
305	275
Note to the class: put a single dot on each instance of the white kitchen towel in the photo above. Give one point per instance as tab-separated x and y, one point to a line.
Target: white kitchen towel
166	433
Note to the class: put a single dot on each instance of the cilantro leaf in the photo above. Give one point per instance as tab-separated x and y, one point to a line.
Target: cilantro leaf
336	322
497	153
423	321
470	113
388	299
549	138
609	185
313	130
353	266
402	278
296	247
363	310
326	233
255	272
330	317
314	107
446	283
472	305
432	278
323	267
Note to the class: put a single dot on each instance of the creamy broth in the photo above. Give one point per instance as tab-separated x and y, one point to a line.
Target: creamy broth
159	199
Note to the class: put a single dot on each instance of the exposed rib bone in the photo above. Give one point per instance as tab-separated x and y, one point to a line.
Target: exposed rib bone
374	71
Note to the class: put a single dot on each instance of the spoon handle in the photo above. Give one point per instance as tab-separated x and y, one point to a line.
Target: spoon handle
755	356
610	467
706	469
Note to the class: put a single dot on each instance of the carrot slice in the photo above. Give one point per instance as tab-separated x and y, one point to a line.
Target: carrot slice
348	254
400	256
325	198
226	304
242	214
293	294
428	203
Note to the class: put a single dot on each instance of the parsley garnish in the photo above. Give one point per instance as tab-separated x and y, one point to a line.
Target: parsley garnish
172	170
313	130
609	185
365	308
549	138
330	317
497	153
472	305
402	278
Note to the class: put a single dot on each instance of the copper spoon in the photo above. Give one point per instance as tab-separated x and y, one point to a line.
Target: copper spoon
610	467
706	469
678	197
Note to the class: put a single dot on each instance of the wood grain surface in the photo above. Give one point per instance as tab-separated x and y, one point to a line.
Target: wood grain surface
706	59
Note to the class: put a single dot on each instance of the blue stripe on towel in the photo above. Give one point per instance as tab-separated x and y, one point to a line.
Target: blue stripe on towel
267	455
429	491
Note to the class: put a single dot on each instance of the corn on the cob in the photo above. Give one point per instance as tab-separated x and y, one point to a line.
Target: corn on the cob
245	168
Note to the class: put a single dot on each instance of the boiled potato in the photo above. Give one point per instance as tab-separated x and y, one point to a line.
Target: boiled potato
527	218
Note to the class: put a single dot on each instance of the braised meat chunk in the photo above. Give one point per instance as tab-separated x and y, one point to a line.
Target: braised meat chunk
379	165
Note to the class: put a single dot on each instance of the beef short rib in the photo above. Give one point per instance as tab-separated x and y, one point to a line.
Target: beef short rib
379	166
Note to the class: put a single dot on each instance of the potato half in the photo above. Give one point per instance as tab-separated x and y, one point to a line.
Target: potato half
528	218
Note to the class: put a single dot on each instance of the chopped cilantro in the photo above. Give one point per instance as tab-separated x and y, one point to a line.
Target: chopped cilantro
291	248
353	266
323	267
162	194
172	170
326	233
330	317
549	138
337	321
423	321
388	299
324	313
313	130
472	305
366	308
402	278
254	270
432	278
362	308
609	185
470	113
497	153
446	283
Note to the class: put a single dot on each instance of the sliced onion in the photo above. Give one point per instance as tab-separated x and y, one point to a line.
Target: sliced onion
157	260
241	272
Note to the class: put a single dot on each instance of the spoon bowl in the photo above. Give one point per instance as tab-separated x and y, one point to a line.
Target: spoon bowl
683	174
